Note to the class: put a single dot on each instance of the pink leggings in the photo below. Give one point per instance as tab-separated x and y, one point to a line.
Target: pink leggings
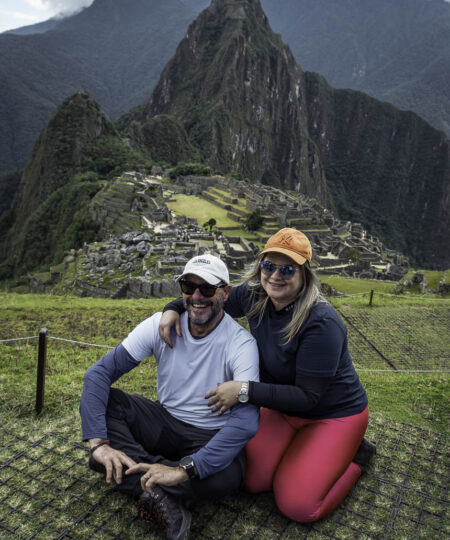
307	463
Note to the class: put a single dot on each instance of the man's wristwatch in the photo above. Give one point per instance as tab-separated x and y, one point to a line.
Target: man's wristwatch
243	396
187	463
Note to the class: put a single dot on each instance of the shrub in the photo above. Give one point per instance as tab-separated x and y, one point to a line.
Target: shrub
185	169
254	220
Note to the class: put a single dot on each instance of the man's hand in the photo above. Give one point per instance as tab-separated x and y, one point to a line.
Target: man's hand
169	320
224	396
113	461
157	473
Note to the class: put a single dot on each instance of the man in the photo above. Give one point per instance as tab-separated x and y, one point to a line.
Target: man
175	450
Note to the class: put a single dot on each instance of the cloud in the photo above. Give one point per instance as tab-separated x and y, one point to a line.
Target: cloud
20	15
61	6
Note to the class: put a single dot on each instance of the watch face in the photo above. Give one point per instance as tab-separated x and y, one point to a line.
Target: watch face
186	461
243	398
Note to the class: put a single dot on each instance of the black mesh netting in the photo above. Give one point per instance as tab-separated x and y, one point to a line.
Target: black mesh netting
412	338
46	491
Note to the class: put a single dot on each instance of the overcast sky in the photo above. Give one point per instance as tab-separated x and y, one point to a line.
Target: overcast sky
15	13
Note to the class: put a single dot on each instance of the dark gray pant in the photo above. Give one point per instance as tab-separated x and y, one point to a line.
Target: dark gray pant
147	433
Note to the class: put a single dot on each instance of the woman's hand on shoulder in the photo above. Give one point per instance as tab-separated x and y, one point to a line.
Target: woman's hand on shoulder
169	320
224	396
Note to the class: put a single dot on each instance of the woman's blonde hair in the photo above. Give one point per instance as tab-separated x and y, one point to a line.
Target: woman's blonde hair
307	296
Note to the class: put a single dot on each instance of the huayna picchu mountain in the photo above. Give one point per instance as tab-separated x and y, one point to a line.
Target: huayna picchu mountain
240	96
237	93
77	150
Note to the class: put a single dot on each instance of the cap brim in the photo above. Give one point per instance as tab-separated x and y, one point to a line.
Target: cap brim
299	259
209	278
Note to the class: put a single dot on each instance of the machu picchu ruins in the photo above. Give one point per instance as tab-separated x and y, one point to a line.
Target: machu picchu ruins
145	244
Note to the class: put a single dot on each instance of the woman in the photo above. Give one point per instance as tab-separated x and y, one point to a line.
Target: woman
314	409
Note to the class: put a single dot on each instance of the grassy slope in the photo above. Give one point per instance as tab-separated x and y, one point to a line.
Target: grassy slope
420	398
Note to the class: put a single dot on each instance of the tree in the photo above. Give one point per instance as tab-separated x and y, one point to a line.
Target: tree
254	220
210	223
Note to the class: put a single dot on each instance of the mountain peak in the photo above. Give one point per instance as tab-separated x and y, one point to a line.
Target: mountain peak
240	96
244	103
74	127
236	9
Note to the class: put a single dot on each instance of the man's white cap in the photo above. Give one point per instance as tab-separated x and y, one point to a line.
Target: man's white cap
207	267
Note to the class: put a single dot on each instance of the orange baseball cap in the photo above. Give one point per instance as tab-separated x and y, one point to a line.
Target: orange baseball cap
290	242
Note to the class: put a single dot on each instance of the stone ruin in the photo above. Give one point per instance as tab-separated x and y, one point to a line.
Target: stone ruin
339	247
142	262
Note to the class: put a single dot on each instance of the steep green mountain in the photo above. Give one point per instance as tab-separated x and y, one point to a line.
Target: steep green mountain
386	168
76	151
394	50
239	95
234	97
236	91
115	50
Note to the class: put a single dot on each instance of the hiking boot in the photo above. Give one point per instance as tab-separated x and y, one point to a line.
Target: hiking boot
365	453
161	508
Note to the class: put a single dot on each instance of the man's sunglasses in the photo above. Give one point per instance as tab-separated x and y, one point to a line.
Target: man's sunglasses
287	271
206	290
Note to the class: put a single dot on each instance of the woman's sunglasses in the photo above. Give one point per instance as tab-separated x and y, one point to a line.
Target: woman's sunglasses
206	290
287	271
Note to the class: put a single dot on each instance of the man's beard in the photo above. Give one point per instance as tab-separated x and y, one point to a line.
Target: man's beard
213	312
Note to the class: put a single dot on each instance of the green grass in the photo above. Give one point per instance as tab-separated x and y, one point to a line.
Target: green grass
421	399
46	487
102	321
348	285
201	210
432	277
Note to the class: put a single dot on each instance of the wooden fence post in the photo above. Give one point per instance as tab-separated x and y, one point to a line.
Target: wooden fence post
371	297
42	364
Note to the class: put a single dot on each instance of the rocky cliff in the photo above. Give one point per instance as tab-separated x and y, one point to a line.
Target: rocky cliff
241	98
384	167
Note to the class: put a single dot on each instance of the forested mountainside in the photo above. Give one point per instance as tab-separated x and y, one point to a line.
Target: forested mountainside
397	51
76	153
115	50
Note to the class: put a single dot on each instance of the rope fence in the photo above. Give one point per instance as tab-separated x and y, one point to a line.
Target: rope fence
85	343
404	370
59	339
42	357
80	342
18	339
